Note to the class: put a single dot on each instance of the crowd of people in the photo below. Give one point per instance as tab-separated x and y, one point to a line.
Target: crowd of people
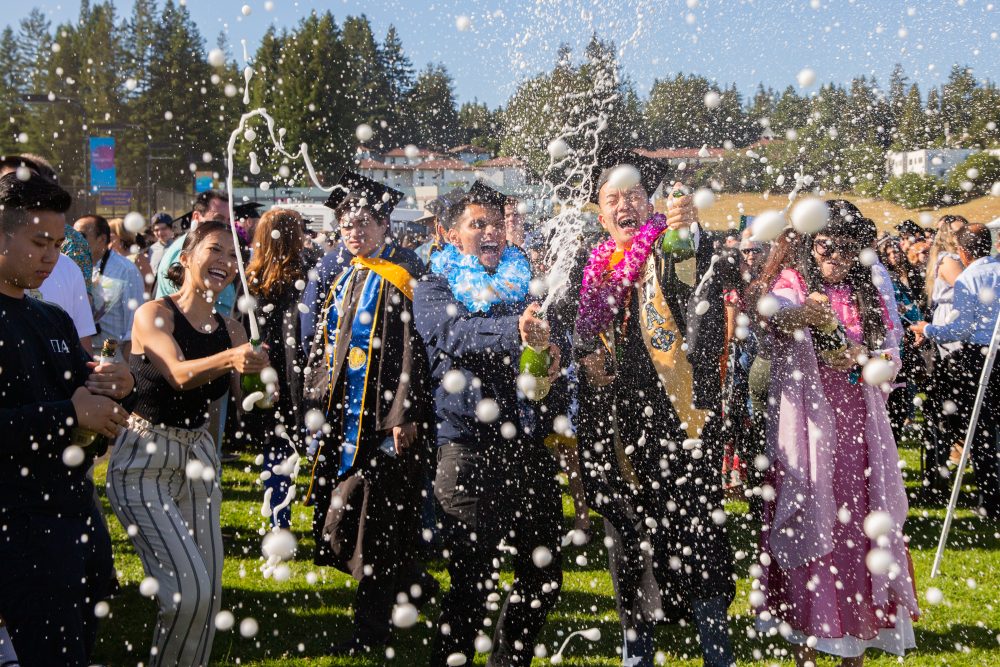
436	406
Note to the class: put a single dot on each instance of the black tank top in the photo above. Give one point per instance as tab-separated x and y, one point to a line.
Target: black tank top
159	403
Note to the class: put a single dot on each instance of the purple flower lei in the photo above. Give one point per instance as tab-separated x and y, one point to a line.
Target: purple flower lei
602	292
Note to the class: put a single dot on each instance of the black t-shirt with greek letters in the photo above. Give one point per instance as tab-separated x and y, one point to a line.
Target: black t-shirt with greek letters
41	364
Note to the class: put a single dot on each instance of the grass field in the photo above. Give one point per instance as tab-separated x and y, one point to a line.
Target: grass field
298	620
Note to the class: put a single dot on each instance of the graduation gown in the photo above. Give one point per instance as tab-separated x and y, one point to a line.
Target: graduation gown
643	469
367	503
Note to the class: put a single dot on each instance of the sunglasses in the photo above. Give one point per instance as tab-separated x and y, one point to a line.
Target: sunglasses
843	247
751	252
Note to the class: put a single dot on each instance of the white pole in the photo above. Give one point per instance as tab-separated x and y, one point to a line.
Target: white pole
984	379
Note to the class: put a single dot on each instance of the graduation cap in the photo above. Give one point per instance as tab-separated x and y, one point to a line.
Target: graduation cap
247	210
651	172
908	228
481	193
184	221
380	198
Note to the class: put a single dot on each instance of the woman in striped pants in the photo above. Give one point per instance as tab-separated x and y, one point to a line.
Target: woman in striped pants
163	478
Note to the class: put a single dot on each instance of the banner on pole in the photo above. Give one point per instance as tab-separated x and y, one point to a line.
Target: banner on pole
103	175
203	180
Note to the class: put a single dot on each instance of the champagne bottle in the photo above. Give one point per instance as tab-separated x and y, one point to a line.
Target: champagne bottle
830	340
251	382
677	242
534	378
82	437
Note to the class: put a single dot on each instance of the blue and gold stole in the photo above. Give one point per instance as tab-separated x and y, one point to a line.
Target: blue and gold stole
360	339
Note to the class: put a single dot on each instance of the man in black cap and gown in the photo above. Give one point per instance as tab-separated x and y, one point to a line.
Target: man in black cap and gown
650	428
367	374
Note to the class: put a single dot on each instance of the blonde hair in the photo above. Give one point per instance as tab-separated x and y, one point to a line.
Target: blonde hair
127	238
945	242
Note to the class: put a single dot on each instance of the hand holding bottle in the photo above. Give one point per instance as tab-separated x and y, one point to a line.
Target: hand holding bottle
98	414
247	360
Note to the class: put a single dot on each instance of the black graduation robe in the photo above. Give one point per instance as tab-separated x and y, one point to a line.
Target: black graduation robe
375	518
641	471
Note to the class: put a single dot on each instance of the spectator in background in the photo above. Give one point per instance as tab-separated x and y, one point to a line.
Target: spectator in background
513	221
162	227
913	373
975	303
129	245
275	280
78	250
943	268
117	285
66	288
910	235
208	205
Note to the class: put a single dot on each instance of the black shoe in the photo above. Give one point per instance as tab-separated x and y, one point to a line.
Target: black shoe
351	647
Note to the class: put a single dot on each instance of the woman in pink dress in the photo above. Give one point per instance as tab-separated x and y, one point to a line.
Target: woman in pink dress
835	574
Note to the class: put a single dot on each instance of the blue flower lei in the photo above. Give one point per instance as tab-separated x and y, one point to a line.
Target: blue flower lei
474	286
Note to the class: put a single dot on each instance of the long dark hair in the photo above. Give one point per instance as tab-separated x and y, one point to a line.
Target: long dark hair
175	272
795	251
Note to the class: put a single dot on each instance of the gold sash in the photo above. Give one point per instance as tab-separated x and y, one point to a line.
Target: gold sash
394	274
665	341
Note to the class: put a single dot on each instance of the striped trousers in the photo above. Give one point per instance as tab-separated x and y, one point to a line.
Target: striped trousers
164	487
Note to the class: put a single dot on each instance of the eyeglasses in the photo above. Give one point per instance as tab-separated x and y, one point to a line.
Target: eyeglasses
751	252
843	247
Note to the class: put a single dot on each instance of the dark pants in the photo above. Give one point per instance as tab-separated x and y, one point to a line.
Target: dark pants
374	536
969	366
276	451
948	384
486	494
54	570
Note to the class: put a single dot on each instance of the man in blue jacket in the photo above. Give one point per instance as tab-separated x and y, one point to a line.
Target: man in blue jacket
495	480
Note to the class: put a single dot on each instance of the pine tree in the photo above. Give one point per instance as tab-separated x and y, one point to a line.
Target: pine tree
431	104
912	124
11	108
398	71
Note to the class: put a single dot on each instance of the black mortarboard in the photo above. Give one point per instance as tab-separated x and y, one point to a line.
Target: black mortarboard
250	209
909	228
381	198
184	221
651	172
482	193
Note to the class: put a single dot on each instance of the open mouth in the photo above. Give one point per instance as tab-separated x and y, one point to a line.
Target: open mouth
489	247
218	274
627	223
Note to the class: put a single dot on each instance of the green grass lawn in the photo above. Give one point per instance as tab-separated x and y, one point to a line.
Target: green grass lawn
298	620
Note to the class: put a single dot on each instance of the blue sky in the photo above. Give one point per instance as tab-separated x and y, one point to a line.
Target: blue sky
732	41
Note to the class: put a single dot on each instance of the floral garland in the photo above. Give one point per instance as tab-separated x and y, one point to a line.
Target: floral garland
603	291
474	286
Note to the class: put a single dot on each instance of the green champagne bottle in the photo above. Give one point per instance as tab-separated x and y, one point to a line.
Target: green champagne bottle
251	382
534	379
677	242
82	437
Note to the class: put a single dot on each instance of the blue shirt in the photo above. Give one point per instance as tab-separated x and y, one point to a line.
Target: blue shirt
978	283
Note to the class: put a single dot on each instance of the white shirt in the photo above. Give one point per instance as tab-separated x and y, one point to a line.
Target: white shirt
66	288
118	291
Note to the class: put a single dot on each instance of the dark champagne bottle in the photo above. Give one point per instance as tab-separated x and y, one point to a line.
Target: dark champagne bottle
83	437
252	382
